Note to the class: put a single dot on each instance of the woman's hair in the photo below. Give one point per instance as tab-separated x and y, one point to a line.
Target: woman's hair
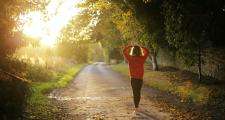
136	51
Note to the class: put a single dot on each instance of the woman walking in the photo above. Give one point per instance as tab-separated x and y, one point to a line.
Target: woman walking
136	56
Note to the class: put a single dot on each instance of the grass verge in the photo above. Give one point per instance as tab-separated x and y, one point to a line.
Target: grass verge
39	106
171	82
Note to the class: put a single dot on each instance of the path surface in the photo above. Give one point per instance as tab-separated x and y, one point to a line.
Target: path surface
100	93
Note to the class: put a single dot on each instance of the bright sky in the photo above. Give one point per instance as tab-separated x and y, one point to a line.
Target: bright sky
47	27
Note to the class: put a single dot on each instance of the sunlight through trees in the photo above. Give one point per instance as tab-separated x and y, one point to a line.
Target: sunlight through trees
42	39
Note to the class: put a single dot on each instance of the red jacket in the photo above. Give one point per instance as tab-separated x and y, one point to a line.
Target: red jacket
136	63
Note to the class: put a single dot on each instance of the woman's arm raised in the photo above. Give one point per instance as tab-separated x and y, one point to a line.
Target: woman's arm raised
145	52
126	51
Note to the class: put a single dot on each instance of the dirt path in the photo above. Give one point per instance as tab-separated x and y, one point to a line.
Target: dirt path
100	93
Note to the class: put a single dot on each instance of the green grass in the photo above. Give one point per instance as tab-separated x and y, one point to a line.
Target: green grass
39	104
164	86
121	68
168	82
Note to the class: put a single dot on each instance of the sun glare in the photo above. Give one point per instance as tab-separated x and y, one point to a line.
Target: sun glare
47	25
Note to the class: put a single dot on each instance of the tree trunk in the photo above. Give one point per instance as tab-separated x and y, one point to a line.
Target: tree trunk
154	61
106	55
199	63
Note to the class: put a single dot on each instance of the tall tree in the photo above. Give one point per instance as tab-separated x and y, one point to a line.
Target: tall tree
75	38
188	26
105	31
9	12
148	15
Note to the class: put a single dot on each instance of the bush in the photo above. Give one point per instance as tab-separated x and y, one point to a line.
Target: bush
13	94
37	73
26	70
14	90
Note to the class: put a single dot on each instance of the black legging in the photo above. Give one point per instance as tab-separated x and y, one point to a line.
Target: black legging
136	87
